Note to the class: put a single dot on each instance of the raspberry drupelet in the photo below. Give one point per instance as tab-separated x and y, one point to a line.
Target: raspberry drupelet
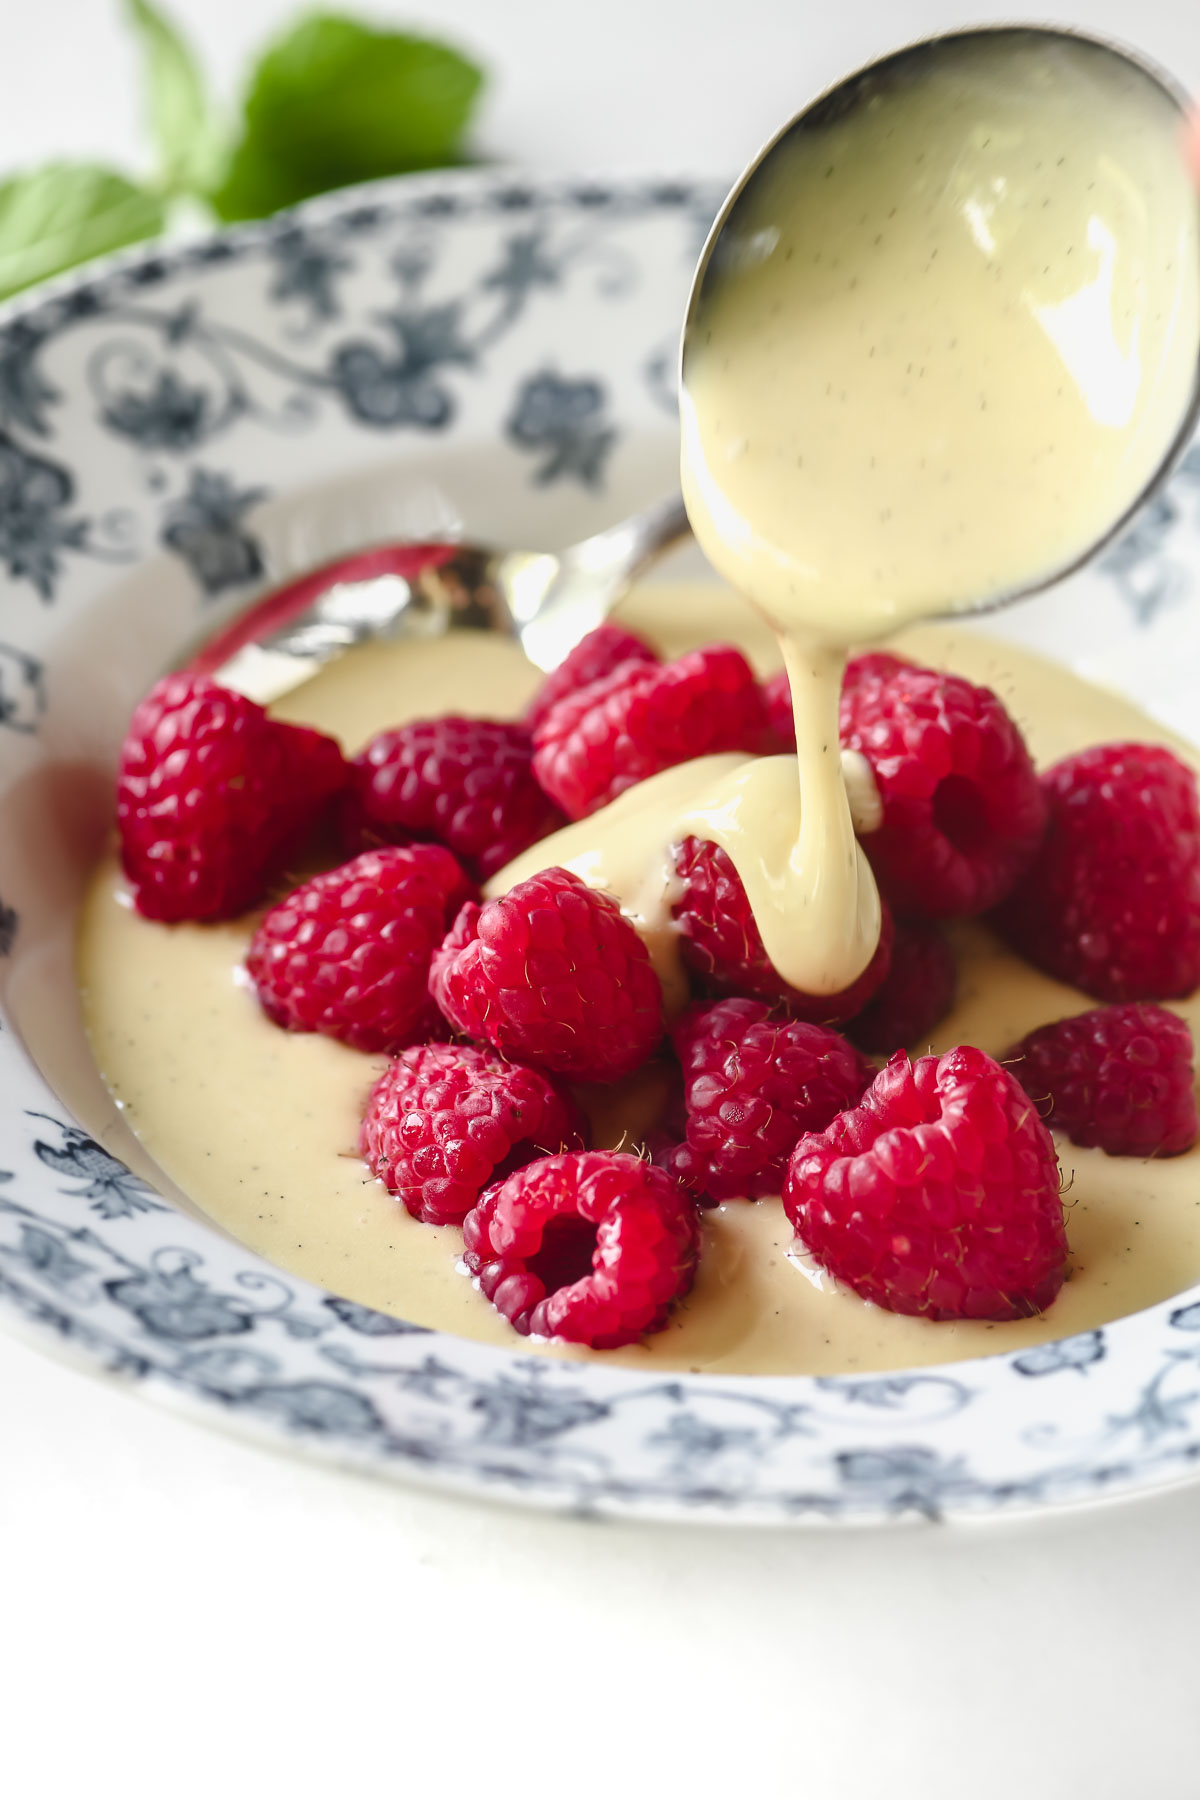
348	953
1112	903
552	974
722	946
214	796
643	718
963	812
444	1120
464	783
1119	1078
938	1194
591	1247
754	1084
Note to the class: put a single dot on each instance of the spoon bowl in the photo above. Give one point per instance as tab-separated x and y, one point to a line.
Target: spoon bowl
972	267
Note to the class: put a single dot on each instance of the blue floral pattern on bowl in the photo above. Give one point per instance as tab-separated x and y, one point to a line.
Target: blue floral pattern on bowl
156	408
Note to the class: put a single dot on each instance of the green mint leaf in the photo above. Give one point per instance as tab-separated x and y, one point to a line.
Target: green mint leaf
185	136
335	102
59	215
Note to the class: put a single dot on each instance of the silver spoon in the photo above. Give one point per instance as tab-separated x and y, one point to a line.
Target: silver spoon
548	602
982	69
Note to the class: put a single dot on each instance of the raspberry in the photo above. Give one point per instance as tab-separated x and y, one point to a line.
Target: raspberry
677	1159
917	991
593	657
1119	1078
963	813
213	797
1112	903
720	941
446	1119
552	974
643	718
348	953
465	783
591	1247
754	1084
777	694
777	698
938	1194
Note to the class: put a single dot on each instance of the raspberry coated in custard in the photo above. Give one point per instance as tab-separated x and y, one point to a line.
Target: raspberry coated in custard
721	944
591	1247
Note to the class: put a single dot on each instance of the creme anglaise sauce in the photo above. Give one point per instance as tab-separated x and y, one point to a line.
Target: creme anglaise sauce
259	1127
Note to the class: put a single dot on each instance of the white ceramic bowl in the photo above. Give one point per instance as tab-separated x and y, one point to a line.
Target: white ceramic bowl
181	424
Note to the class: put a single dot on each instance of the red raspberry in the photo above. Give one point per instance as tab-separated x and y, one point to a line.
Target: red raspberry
465	783
777	698
938	1194
1119	1078
963	813
444	1120
720	941
552	974
1112	903
677	1159
918	990
777	694
213	797
593	657
643	718
591	1247
753	1085
348	953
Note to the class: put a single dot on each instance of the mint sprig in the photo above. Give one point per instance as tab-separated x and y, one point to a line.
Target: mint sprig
333	102
187	140
65	213
329	103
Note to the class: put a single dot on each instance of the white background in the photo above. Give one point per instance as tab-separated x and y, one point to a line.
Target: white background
182	1615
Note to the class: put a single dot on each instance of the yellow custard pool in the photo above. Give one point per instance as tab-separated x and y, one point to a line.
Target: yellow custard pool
259	1127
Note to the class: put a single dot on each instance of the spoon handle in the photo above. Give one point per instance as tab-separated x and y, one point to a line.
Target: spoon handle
588	580
628	548
424	590
285	612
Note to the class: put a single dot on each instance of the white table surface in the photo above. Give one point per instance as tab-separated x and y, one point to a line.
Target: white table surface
183	1615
